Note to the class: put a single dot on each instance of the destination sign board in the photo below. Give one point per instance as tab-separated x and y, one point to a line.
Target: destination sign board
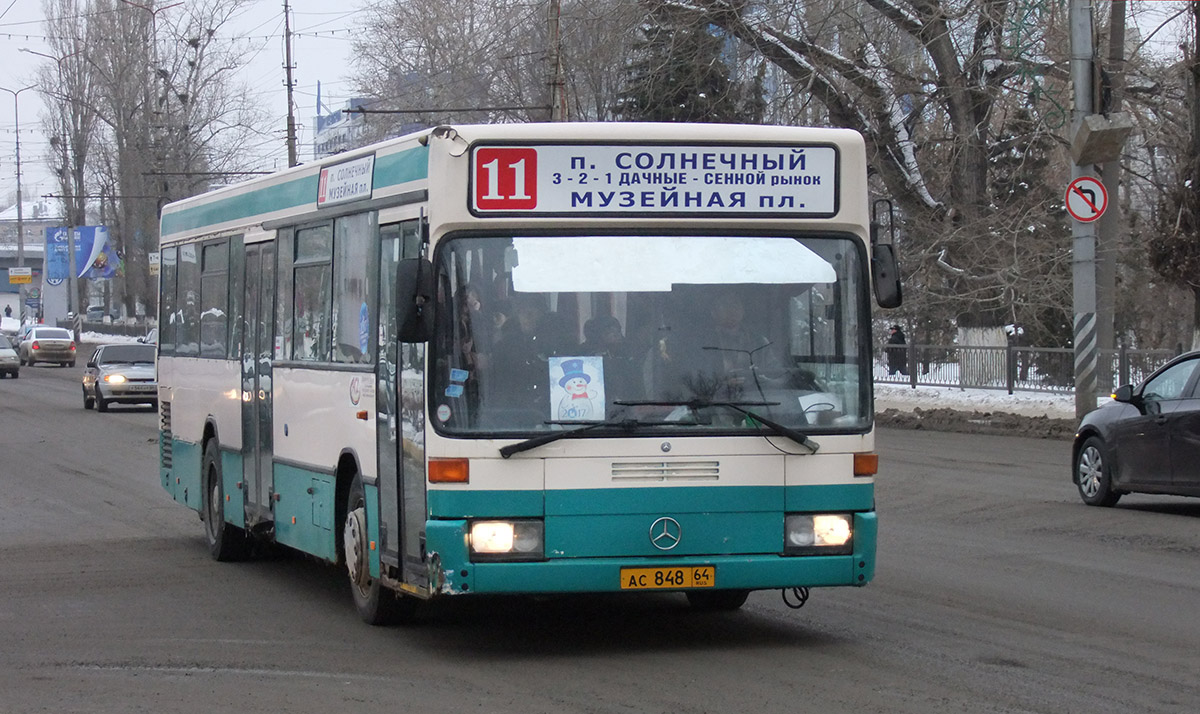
584	179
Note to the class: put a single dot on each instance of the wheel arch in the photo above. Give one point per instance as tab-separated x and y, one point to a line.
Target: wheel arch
1077	445
347	468
210	433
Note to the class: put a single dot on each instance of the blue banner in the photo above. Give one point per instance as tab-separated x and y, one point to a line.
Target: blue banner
95	255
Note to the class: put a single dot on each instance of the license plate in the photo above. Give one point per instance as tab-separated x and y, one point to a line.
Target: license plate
141	388
667	578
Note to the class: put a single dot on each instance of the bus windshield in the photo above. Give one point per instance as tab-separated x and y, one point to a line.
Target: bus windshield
541	333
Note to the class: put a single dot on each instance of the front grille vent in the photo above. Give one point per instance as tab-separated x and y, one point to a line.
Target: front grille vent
666	470
165	456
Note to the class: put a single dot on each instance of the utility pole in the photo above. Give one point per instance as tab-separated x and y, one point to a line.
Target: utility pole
1109	225
20	198
72	265
1095	139
1083	258
558	90
287	54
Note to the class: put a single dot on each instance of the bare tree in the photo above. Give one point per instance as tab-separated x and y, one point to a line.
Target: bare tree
486	61
1174	246
68	86
173	117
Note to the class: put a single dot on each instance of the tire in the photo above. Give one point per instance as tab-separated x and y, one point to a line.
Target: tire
101	403
88	402
1093	474
717	600
70	364
16	373
226	542
376	604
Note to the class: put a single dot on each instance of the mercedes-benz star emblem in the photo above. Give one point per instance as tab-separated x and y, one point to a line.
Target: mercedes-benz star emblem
665	533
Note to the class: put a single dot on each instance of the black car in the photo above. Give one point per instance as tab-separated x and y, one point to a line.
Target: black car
1147	439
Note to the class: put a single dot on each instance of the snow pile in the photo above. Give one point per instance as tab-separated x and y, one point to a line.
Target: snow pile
1055	406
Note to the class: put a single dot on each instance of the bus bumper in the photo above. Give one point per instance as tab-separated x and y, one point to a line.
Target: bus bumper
457	575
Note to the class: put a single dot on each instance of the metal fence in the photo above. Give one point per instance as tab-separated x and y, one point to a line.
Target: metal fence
1013	368
136	328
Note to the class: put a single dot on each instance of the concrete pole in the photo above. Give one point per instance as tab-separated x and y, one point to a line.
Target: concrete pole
73	269
1110	224
1083	260
293	160
558	93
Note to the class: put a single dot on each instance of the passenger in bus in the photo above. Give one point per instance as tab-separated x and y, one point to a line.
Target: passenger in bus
735	346
603	337
719	359
476	329
520	358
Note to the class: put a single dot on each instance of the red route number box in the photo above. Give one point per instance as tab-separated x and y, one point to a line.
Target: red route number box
505	179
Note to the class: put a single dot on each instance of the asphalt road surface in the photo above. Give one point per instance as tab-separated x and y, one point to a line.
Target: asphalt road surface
996	591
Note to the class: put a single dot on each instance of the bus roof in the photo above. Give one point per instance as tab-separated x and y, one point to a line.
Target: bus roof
401	165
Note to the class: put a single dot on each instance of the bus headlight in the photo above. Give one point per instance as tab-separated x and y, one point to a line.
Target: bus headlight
818	534
507	540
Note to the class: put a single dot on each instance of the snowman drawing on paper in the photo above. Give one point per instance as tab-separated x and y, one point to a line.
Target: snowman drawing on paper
577	404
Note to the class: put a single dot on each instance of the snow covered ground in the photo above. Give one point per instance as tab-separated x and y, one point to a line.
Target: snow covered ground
1055	406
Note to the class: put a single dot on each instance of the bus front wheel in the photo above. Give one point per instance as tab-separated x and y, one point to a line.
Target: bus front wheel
376	604
226	541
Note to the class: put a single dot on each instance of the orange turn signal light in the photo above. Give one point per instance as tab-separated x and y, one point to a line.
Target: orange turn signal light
449	471
866	464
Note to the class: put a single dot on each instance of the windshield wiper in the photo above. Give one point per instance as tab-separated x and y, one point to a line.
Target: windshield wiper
696	404
626	423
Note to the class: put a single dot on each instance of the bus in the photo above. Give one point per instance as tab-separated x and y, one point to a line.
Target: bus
535	359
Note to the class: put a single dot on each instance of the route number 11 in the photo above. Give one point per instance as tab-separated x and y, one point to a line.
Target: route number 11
505	179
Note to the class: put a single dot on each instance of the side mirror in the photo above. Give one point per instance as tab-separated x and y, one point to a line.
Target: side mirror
414	299
885	275
91	365
1124	393
885	270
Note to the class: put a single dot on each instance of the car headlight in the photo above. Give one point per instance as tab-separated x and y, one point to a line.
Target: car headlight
114	378
818	534
507	540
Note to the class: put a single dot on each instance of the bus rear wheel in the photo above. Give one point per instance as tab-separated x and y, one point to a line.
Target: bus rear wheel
376	604
717	600
226	542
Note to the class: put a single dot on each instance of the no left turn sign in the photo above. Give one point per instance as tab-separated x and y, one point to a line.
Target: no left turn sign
1086	199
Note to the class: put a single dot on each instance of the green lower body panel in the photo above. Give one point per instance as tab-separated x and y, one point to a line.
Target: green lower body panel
304	511
231	480
448	545
182	480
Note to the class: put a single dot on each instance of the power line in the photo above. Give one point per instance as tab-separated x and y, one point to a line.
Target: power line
443	110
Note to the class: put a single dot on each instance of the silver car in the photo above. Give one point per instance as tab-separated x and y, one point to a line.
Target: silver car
10	363
47	344
122	374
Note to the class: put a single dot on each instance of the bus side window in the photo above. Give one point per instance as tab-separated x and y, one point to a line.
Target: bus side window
355	256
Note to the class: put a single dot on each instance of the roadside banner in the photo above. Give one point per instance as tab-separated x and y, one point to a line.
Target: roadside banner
95	255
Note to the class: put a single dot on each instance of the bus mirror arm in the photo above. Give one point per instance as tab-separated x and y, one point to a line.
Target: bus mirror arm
414	299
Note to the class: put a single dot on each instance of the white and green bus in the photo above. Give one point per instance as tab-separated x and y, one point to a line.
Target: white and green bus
553	358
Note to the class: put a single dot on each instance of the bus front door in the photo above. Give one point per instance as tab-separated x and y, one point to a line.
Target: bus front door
400	419
257	353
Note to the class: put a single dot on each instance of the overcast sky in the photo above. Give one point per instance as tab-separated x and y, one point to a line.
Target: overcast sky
321	50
